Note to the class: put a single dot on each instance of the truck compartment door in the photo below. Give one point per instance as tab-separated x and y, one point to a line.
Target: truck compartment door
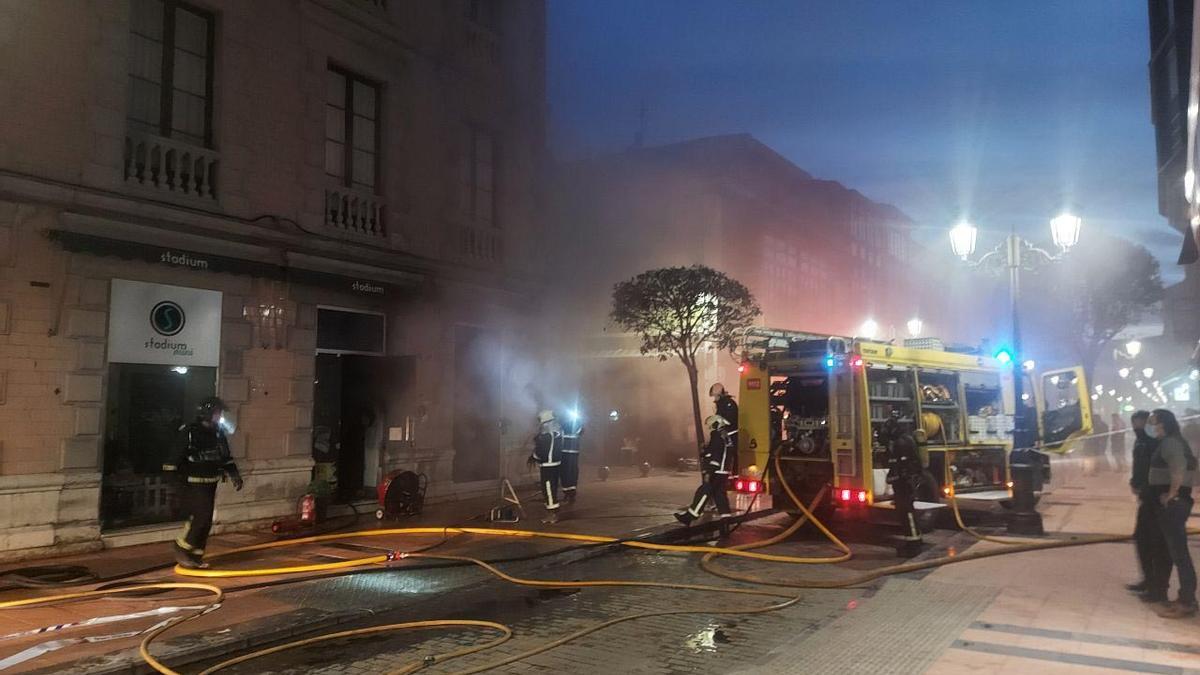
1064	410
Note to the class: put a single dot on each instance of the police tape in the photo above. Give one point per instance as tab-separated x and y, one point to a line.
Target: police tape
1105	434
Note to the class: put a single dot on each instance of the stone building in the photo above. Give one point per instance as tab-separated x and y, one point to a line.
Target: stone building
330	209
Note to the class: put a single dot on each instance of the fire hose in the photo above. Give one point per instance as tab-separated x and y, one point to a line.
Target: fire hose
711	554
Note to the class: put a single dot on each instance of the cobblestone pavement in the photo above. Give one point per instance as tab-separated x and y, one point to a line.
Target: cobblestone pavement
706	642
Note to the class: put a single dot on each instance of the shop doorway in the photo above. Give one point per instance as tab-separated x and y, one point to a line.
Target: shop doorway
349	421
476	405
146	406
355	383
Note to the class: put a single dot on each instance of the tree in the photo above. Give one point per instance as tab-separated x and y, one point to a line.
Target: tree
677	310
1104	285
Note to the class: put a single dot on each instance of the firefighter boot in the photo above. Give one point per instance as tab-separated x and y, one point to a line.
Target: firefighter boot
684	517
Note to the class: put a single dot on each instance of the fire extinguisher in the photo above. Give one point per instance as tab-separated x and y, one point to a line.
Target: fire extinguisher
308	509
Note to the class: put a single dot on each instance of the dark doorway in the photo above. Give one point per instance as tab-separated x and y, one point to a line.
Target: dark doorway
146	405
350	401
476	405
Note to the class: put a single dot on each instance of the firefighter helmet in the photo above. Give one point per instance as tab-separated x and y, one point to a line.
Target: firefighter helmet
545	416
717	390
716	422
210	405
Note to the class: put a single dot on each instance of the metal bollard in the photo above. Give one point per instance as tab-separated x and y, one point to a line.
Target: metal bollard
1025	519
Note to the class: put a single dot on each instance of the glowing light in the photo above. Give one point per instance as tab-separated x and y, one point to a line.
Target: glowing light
1004	356
1124	373
914	326
1054	379
614	415
1137	383
1133	347
829	362
1112	392
1024	397
962	239
862	497
573	414
1189	184
1064	229
182	370
742	367
1029	365
1099	388
845	495
1195	374
868	329
1147	373
1095	397
856	362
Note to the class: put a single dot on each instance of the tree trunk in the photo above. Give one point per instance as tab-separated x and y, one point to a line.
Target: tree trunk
694	381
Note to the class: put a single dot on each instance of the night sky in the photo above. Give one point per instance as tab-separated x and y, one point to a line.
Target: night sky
1002	111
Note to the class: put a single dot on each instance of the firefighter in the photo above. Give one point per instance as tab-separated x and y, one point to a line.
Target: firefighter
716	465
201	459
570	455
905	474
547	454
726	406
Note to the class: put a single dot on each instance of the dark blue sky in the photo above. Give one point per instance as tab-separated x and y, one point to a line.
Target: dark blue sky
1000	110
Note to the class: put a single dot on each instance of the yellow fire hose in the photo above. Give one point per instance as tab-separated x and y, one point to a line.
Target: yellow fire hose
707	563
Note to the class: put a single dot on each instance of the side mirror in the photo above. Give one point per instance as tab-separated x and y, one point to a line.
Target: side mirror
1065	411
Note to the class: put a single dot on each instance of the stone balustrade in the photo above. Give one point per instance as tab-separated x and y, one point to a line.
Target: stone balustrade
170	166
354	211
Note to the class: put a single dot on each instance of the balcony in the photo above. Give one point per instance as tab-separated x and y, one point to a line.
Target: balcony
355	212
170	167
482	243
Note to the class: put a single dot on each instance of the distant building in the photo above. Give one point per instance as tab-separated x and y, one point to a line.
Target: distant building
324	211
817	256
1172	84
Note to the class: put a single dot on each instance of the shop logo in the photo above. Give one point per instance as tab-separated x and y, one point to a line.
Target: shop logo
167	318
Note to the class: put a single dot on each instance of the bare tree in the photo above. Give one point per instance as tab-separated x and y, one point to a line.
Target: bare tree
1105	285
678	310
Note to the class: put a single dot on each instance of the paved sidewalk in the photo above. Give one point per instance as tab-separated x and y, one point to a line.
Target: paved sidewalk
1066	610
626	504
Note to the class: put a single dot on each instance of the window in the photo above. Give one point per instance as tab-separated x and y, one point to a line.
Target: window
171	70
477	189
352	130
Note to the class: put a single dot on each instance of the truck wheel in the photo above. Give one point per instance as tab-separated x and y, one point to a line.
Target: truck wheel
378	514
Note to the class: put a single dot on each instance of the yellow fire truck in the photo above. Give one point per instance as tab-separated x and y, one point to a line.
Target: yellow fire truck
818	403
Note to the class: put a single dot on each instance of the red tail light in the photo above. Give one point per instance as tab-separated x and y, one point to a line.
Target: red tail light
740	485
862	496
857	362
845	495
742	367
754	486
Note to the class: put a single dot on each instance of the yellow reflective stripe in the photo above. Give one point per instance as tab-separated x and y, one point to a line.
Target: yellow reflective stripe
201	479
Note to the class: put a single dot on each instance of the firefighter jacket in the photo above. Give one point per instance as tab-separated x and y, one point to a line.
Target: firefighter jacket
570	436
728	408
548	446
201	455
721	452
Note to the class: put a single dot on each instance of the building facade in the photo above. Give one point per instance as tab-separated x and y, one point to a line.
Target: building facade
1171	86
330	208
817	256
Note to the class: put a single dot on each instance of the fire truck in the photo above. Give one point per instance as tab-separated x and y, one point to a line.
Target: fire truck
818	403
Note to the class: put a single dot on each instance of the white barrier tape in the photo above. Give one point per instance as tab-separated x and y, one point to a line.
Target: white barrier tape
99	620
55	645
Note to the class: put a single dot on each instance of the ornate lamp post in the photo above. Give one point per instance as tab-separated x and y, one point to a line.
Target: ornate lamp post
1013	255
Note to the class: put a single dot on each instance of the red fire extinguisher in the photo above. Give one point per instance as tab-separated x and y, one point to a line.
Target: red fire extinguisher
308	509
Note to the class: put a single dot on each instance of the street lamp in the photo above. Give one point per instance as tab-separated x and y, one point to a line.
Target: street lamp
868	329
1013	255
1123	372
914	327
1133	348
1148	372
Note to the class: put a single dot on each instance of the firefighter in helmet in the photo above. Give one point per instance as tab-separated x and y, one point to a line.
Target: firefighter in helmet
727	408
572	429
547	454
905	474
716	465
200	460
